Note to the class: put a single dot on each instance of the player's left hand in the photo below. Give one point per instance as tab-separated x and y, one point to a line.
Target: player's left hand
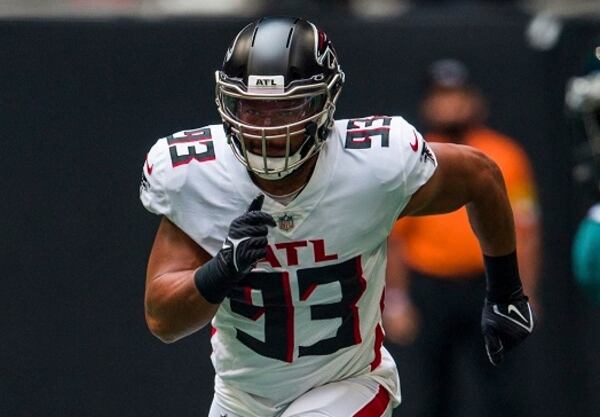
505	325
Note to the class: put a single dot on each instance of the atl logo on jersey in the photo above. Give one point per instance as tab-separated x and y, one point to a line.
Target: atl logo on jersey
286	253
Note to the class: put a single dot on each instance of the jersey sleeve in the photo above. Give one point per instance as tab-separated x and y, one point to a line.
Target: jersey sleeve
153	193
421	164
418	161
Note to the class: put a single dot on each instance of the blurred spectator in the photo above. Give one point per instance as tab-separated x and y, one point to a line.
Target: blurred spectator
583	98
436	273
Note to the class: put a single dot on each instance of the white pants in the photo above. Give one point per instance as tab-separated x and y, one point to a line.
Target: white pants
355	397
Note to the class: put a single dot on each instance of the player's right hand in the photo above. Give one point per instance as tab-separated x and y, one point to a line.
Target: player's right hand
246	242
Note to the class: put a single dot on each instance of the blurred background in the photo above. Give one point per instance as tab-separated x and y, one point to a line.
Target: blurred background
87	86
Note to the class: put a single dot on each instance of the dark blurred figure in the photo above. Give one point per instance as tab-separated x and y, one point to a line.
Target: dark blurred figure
436	272
583	99
583	102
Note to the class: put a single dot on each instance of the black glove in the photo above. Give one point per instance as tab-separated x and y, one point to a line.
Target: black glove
245	245
246	242
506	324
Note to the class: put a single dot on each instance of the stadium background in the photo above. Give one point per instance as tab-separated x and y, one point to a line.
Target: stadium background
81	102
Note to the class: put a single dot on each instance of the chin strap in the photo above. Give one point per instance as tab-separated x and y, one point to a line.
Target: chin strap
257	162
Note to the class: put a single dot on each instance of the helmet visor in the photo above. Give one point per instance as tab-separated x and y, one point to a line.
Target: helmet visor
271	113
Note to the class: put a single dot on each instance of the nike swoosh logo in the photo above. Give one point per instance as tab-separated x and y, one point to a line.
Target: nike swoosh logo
525	324
415	146
512	308
149	167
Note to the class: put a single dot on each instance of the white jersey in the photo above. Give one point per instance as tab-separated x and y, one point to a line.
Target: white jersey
310	313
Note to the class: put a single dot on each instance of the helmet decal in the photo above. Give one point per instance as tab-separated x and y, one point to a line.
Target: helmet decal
266	84
324	53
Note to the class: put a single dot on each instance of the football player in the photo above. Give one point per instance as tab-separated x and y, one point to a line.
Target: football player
583	99
274	227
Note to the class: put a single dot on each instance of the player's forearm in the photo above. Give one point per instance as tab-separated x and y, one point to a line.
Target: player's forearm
489	210
174	308
491	217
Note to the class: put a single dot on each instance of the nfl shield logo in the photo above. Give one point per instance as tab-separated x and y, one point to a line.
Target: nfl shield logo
285	222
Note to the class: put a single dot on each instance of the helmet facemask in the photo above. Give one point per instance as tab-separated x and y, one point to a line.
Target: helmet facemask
273	134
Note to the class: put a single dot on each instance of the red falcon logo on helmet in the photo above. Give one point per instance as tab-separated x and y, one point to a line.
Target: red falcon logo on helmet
324	53
322	44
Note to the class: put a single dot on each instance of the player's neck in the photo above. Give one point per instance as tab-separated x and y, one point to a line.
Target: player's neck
289	184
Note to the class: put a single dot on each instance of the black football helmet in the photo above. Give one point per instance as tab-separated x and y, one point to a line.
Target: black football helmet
292	64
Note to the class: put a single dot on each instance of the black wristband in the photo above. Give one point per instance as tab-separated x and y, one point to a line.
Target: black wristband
503	281
212	282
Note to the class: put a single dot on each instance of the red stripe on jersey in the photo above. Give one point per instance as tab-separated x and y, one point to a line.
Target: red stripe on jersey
377	406
379	335
363	285
287	293
377	347
213	331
